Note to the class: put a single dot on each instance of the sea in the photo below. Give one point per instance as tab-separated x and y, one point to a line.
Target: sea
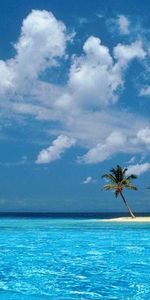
73	256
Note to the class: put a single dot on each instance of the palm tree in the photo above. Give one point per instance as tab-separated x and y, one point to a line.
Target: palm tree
119	181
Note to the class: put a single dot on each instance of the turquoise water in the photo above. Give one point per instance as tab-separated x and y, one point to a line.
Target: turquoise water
73	259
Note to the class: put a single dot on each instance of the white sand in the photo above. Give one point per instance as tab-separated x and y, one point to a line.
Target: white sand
129	219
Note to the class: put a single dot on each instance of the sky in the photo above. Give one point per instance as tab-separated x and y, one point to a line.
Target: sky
74	102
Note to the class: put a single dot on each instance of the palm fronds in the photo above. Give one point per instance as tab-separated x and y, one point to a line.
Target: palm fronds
118	180
110	177
109	187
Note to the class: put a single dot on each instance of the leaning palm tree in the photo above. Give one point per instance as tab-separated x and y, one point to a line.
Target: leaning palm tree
118	182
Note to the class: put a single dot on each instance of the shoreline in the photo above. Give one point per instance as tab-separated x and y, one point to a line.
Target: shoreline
129	219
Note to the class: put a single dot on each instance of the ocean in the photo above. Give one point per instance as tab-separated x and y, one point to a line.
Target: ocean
74	257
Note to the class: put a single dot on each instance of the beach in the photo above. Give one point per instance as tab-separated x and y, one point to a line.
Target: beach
128	219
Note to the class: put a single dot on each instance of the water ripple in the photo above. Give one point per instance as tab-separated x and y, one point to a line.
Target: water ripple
74	259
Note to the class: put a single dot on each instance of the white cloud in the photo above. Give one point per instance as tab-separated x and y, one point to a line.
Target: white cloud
94	78
91	78
123	24
55	151
138	169
42	41
125	53
145	91
143	136
88	180
114	142
131	160
83	106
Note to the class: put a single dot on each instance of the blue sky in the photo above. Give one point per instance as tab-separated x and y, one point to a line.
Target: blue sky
75	101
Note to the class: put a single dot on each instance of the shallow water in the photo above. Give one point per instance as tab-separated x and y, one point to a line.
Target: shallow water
73	259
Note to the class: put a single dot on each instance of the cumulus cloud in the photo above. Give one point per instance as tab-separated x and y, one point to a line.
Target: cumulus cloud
124	24
94	77
91	76
138	169
82	106
54	152
125	53
42	41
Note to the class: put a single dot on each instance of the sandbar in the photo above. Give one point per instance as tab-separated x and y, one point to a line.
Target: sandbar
128	219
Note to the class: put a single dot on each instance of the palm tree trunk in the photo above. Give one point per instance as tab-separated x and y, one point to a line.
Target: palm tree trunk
126	204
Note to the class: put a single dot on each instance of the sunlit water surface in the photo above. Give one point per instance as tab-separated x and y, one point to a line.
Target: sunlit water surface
73	259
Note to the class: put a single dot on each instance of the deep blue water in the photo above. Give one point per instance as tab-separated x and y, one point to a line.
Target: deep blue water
48	258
